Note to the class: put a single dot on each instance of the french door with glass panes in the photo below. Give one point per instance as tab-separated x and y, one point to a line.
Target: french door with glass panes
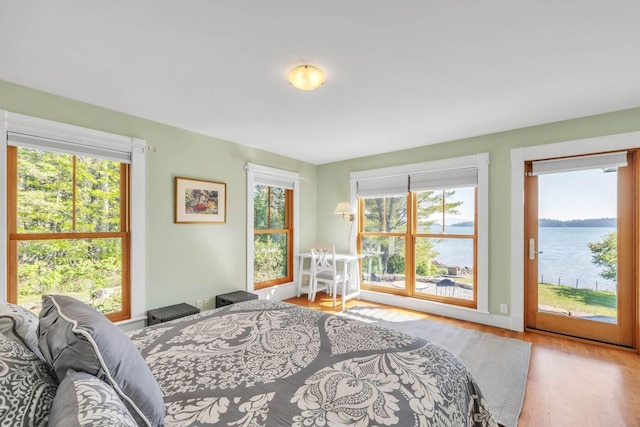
580	229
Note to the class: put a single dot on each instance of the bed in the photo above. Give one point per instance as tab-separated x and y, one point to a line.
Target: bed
255	363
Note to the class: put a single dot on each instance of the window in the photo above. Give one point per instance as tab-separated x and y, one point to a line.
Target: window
419	230
272	235
74	216
383	240
271	218
68	228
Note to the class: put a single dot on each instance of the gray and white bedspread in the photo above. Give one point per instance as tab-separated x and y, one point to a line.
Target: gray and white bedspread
266	363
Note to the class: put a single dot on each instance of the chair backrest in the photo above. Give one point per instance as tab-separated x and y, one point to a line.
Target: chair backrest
323	258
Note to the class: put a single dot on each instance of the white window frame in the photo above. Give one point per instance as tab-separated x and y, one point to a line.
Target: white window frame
481	162
258	174
519	156
19	123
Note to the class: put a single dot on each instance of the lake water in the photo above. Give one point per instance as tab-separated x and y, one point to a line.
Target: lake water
565	256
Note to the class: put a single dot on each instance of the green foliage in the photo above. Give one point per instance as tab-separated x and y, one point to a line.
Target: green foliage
270	208
424	255
602	303
605	254
46	202
269	257
395	265
389	215
112	302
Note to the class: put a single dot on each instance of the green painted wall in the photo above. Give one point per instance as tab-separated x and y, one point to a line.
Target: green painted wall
185	262
333	181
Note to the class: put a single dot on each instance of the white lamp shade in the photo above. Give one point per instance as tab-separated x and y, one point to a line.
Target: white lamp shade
343	208
306	77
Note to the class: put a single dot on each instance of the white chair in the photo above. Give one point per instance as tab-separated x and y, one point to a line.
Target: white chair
312	286
302	271
324	270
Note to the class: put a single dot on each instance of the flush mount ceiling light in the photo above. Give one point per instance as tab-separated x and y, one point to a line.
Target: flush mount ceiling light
306	77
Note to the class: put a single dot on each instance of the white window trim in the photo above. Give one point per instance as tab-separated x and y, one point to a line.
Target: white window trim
519	156
254	173
13	122
481	313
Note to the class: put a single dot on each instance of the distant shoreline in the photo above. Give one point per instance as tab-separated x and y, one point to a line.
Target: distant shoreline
547	222
595	222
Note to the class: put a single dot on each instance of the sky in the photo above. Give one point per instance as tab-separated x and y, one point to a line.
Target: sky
563	196
577	195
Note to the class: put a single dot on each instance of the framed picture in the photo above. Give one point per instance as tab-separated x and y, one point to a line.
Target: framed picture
200	201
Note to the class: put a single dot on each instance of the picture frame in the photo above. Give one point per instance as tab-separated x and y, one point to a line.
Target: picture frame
200	201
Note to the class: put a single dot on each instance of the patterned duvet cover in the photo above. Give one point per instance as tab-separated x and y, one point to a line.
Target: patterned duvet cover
266	363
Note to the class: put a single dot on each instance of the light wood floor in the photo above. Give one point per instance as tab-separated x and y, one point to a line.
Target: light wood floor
570	383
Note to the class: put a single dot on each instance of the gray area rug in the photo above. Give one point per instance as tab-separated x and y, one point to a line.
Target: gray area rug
499	365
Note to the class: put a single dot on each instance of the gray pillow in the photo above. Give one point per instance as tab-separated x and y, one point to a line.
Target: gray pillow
26	386
84	400
73	335
20	324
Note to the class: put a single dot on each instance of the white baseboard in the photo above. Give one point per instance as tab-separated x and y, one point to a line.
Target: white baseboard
514	323
455	312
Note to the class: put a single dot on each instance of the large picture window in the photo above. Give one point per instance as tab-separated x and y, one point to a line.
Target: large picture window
68	225
419	230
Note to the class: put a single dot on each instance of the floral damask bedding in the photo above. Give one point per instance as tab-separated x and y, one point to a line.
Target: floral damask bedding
265	363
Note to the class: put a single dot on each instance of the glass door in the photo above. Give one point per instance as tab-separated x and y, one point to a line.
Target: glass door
579	251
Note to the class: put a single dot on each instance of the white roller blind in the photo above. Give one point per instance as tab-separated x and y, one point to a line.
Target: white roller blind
569	164
272	177
57	146
274	182
454	178
383	186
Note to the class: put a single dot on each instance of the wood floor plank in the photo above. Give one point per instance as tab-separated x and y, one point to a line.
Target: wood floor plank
570	383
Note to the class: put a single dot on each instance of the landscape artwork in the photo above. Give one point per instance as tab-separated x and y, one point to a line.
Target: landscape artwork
199	201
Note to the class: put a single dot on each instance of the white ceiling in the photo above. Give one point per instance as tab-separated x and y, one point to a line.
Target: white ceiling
400	74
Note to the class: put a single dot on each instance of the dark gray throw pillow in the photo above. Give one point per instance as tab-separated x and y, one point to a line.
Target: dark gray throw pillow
73	335
26	386
84	400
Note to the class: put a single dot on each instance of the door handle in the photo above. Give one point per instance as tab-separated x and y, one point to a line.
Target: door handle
532	249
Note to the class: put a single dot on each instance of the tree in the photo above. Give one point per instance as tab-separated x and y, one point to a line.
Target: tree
49	203
269	259
270	249
389	215
605	254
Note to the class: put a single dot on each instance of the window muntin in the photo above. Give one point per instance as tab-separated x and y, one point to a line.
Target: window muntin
273	241
68	229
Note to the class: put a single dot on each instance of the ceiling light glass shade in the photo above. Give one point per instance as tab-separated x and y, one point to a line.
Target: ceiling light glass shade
306	77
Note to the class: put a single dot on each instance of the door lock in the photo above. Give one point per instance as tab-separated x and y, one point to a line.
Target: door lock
532	249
